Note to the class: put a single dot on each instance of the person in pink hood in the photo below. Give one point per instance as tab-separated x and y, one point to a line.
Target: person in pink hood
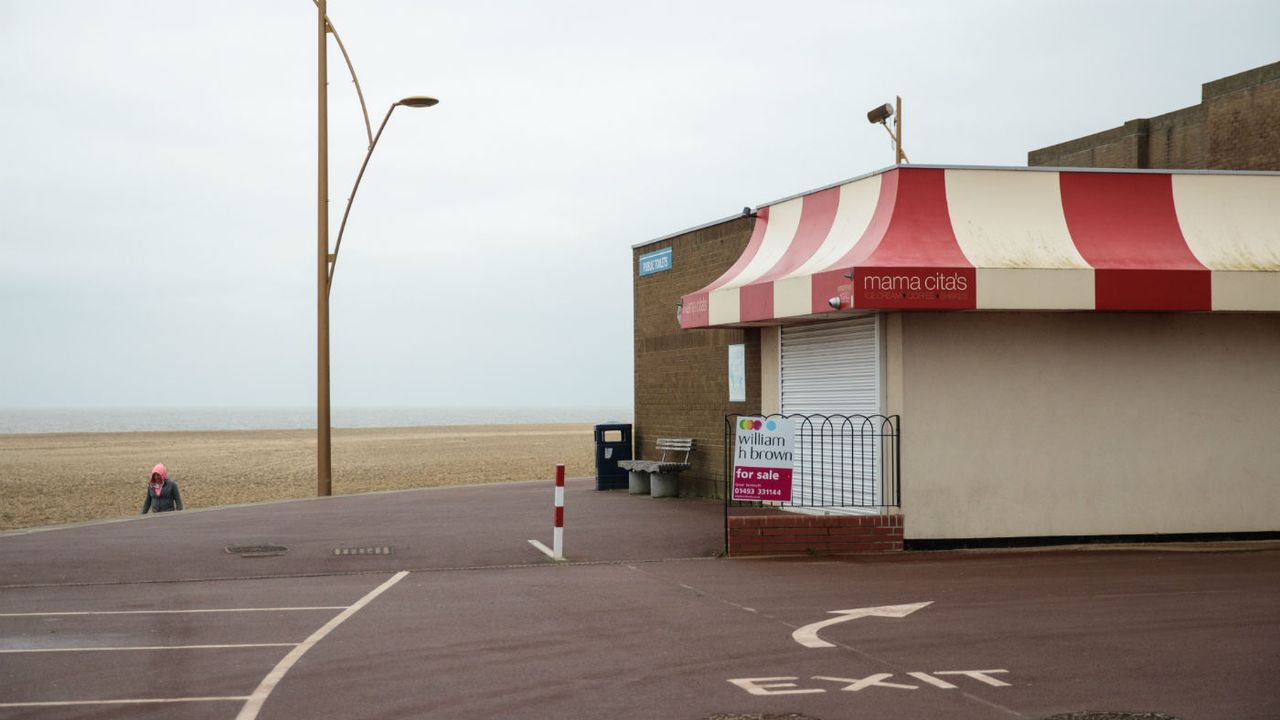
162	493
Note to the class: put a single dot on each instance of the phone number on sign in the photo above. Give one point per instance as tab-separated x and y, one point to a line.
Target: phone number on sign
761	493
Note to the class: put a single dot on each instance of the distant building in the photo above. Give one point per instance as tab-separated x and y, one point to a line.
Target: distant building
1236	126
1043	355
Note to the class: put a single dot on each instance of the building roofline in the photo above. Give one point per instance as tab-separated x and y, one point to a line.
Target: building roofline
1025	168
695	228
1016	168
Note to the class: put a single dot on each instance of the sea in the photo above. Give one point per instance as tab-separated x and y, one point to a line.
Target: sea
161	419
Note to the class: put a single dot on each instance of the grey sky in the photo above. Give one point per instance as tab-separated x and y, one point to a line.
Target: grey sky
157	221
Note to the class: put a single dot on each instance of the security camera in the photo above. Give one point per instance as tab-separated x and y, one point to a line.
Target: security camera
834	302
880	114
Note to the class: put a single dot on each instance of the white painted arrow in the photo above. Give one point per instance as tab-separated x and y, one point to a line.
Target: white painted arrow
808	635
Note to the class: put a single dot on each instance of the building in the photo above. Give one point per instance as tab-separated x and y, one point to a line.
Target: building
1236	126
1062	354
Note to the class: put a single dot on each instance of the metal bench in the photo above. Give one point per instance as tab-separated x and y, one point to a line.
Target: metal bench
659	478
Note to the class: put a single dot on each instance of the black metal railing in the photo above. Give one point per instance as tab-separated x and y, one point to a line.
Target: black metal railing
841	461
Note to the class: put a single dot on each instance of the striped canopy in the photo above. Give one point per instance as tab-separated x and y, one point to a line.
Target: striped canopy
931	238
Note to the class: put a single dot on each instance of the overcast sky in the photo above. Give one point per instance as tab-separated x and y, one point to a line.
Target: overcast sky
157	170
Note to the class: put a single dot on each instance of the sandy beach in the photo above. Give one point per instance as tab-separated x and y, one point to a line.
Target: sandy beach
71	477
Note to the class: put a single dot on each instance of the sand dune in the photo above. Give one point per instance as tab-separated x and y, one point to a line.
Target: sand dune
69	477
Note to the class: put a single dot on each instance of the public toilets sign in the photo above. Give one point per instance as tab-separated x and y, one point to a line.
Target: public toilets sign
763	459
655	262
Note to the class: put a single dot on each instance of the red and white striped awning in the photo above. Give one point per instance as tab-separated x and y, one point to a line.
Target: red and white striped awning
929	238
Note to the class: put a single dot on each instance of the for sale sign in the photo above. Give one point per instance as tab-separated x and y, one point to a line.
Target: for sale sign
763	459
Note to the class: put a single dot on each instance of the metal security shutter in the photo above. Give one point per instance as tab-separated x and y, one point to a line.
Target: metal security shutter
834	369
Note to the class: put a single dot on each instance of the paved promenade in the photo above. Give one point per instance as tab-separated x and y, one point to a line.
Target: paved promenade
432	604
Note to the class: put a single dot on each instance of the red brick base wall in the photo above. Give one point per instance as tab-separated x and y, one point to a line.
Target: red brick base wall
792	534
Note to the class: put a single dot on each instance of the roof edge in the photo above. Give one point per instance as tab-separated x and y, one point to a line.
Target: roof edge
1024	168
1012	168
695	228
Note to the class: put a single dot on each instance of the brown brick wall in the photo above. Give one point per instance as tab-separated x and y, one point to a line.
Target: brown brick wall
1236	126
1244	120
681	376
791	534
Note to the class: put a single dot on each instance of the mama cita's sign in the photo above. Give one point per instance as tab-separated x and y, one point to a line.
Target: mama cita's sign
914	288
763	458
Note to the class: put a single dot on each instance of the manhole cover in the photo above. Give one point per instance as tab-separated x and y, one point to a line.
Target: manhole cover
375	550
1111	715
257	550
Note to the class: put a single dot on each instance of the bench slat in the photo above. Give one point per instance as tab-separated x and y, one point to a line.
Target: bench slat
665	465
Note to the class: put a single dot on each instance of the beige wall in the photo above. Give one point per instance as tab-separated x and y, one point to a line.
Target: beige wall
1035	424
770	371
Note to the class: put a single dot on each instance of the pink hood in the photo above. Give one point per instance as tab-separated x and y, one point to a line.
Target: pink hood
157	483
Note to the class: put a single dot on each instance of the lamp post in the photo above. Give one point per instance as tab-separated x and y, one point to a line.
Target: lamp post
326	261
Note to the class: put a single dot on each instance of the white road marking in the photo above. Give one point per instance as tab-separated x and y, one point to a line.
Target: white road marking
773	686
858	684
788	685
254	704
982	675
14	651
808	635
544	549
131	701
173	612
936	682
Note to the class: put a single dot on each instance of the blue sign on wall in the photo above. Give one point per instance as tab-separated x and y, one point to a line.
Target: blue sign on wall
655	262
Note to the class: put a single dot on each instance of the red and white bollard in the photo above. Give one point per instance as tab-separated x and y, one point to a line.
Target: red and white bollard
557	536
556	551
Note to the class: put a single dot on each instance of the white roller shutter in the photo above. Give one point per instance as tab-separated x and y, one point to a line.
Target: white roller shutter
832	368
828	369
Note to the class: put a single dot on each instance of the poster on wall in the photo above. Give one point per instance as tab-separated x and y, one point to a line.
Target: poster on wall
763	458
737	373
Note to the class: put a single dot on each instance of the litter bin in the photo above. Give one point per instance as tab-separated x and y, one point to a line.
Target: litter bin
613	443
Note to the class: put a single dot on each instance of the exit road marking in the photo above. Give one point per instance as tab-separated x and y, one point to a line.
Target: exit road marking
787	685
808	635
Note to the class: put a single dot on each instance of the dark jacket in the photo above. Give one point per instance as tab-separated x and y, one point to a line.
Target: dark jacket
168	499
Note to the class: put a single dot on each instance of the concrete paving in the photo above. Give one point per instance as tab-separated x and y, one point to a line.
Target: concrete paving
648	624
436	528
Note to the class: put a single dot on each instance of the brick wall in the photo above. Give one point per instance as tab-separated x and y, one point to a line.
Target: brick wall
792	534
681	376
1236	126
1244	120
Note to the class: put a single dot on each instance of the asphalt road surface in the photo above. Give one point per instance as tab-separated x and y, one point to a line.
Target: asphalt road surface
439	608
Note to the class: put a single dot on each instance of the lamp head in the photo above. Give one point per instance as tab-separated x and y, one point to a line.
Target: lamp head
417	101
880	114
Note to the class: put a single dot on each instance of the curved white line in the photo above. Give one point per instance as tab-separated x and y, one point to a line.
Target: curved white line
254	705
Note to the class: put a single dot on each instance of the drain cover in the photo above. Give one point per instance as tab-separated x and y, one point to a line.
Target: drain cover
375	550
1111	715
257	550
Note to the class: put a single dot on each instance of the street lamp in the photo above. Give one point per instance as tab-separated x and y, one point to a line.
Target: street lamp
326	261
413	101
